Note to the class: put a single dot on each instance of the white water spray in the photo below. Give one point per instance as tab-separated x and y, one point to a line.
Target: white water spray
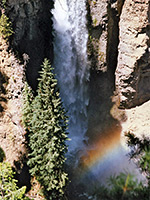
71	65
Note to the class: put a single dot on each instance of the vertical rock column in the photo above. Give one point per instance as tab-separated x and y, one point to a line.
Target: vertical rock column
97	25
133	69
103	53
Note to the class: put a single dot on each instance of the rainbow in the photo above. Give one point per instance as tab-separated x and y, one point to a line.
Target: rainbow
101	149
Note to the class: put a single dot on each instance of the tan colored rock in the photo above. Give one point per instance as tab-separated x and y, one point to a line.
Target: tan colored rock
137	121
127	27
11	84
133	69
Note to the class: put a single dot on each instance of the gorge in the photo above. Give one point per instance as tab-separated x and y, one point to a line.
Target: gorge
100	52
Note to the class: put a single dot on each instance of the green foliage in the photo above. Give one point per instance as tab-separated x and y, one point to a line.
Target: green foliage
3	4
5	27
95	21
8	186
27	107
46	120
123	187
140	152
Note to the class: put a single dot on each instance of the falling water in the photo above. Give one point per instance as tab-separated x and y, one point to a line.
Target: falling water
107	156
71	66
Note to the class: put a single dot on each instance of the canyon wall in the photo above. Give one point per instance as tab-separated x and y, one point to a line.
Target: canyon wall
133	67
31	42
119	83
120	29
32	25
118	51
104	17
119	54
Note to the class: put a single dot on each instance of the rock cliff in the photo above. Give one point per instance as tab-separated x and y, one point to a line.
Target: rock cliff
119	83
32	25
133	67
118	49
120	29
32	42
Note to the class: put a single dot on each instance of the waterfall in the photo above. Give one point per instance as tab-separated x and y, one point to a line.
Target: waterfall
71	65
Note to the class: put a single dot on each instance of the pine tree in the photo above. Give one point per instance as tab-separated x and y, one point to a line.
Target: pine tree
47	136
27	106
8	184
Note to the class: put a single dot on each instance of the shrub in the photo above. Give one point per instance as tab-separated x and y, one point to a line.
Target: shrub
3	4
5	27
8	187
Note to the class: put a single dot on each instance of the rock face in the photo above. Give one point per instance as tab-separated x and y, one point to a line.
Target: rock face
118	48
32	27
120	75
12	133
121	47
133	68
103	54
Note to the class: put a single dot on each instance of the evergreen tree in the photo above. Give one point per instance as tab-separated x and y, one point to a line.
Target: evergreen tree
47	136
8	185
27	106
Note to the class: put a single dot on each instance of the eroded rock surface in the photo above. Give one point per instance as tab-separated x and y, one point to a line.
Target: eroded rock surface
12	133
133	68
118	49
119	34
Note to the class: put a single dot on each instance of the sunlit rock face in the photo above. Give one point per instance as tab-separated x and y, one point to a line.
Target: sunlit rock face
114	43
120	37
32	27
118	30
133	68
